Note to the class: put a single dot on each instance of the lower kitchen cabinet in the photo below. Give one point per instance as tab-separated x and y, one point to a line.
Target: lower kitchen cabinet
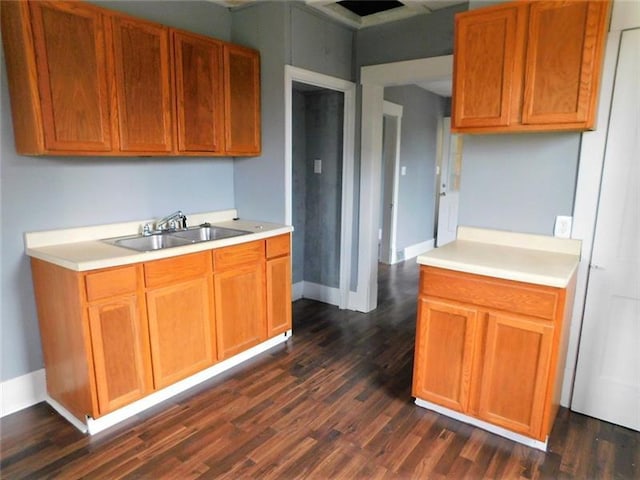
112	336
240	300
490	349
278	284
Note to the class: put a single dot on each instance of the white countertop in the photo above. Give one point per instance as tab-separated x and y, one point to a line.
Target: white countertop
82	249
522	257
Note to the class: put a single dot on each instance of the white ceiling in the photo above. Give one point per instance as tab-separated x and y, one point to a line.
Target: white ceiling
439	87
338	12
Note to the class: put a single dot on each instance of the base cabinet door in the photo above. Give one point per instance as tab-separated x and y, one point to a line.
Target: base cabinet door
444	353
120	352
515	373
180	330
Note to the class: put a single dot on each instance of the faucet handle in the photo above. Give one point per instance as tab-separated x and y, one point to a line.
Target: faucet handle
146	229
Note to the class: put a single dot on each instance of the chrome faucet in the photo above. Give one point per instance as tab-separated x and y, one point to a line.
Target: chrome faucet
174	221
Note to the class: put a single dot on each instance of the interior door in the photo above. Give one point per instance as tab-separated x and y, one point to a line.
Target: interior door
607	384
449	188
389	182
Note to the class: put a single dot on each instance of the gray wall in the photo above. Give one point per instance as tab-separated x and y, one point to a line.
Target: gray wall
518	182
50	193
418	149
285	33
317	198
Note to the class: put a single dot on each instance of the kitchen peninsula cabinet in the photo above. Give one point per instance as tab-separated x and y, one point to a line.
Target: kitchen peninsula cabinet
143	85
240	300
179	297
89	81
492	330
528	66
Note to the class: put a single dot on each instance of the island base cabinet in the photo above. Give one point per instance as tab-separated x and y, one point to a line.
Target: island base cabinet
515	373
444	353
120	353
496	366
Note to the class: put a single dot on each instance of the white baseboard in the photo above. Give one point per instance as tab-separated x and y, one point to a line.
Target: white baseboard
315	291
22	392
503	432
297	291
413	251
95	425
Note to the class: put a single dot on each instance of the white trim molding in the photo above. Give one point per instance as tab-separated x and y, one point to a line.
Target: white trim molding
374	78
503	432
412	251
22	392
308	77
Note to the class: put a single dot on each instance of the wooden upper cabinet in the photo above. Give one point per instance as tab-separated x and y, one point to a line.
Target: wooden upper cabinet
199	92
564	54
58	77
529	65
143	85
488	67
242	100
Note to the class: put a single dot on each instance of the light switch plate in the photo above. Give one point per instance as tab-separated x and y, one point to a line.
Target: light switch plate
562	227
317	166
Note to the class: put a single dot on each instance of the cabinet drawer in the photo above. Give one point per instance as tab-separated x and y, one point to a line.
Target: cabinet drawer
228	257
277	246
517	297
166	271
109	283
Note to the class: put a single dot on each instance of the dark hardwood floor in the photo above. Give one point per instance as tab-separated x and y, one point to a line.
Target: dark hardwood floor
333	402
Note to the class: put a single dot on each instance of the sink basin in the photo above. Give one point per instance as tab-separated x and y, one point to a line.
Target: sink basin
208	232
150	243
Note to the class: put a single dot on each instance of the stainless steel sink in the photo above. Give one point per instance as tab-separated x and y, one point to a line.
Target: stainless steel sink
157	241
150	242
208	232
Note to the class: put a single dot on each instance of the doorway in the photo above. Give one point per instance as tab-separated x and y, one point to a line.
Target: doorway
319	189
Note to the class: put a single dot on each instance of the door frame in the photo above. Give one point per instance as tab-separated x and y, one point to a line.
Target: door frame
373	79
394	110
296	74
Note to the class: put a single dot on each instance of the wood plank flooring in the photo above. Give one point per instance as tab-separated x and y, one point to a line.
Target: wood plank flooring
333	402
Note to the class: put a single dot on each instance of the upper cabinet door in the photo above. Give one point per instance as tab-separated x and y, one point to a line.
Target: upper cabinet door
488	66
143	85
242	100
69	41
564	53
199	91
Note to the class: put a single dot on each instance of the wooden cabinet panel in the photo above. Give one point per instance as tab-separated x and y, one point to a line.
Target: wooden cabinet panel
112	282
69	39
517	297
230	257
278	295
180	330
488	66
563	62
277	246
143	85
528	66
240	308
171	270
199	91
242	100
120	352
445	343
516	373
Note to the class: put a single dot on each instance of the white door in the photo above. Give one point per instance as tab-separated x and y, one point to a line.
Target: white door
392	126
449	188
607	384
